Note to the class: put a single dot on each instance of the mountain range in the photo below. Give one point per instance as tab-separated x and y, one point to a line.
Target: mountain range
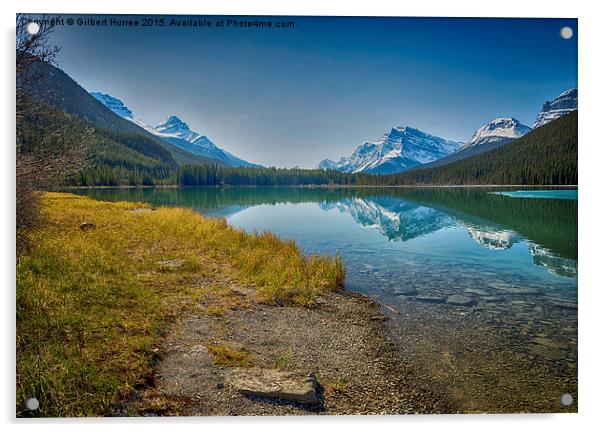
124	149
396	219
405	148
401	148
174	131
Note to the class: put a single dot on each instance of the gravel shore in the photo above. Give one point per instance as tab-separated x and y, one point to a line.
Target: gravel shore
343	339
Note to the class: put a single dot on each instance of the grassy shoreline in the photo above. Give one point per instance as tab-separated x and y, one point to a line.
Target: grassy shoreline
91	303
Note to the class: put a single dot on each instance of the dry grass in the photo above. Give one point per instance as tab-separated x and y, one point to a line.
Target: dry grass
90	303
282	361
228	356
338	386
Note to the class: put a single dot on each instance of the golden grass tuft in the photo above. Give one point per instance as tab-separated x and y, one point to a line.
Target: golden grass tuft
339	386
90	303
228	356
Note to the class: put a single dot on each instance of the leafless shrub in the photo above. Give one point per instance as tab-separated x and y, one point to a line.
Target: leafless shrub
57	152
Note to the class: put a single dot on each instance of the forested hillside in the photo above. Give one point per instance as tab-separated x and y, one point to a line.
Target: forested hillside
51	87
110	157
547	155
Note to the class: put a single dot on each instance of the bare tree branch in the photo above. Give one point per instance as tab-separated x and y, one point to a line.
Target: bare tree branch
49	152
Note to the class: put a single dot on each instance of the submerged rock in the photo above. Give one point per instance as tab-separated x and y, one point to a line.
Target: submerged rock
512	289
460	300
493	299
406	291
430	299
549	343
273	383
565	305
476	291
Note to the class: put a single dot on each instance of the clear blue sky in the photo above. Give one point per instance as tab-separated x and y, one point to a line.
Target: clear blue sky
289	97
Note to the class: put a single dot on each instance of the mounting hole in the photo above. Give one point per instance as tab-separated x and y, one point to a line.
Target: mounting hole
32	404
33	28
566	32
566	399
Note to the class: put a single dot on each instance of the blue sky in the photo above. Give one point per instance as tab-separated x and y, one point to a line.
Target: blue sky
289	97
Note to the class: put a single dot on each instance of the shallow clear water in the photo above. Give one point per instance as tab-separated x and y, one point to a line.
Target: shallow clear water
569	194
514	348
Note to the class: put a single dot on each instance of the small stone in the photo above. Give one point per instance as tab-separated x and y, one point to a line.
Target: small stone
460	300
172	264
198	350
242	291
320	302
220	385
86	226
273	383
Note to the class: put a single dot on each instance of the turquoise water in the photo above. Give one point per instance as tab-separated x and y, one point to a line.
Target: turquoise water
567	194
514	348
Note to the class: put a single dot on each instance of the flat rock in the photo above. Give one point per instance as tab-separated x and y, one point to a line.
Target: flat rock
274	383
492	299
460	300
430	299
512	289
476	291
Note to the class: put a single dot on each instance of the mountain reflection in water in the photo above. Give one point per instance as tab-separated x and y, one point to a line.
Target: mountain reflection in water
402	220
494	221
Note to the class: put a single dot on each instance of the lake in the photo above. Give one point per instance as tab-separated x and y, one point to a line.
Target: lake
480	286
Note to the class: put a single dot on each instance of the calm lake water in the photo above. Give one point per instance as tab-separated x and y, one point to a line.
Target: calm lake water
513	256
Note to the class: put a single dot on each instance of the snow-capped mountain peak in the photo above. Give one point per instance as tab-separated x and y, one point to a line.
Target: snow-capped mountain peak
563	104
497	130
119	108
174	131
114	104
327	164
172	124
401	148
174	127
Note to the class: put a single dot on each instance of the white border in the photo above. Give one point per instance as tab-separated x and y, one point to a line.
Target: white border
590	240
